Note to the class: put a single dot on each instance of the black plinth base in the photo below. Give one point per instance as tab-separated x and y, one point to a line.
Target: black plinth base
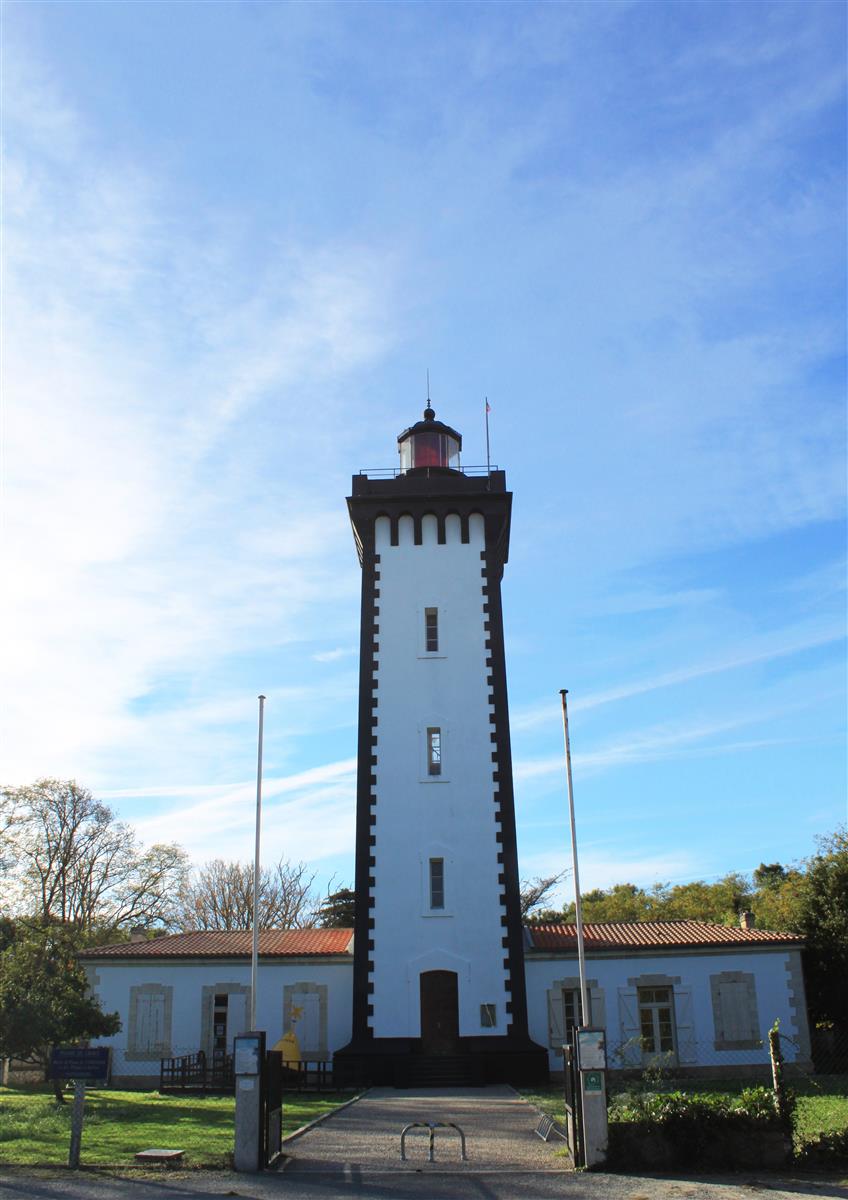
473	1062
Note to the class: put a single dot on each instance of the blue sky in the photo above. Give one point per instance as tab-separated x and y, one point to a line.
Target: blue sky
236	236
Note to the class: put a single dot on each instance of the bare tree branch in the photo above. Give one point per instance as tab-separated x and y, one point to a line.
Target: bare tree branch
75	863
534	892
220	896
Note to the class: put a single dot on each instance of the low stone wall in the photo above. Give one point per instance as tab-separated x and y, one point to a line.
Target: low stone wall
15	1072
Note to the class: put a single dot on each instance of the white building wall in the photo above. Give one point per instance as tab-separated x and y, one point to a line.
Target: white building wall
113	983
777	982
419	817
779	994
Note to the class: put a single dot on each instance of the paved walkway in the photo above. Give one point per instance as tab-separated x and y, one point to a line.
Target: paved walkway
498	1126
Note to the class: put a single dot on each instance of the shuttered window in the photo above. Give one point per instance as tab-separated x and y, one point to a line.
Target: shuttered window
149	1033
564	1009
656	1019
735	1012
656	1023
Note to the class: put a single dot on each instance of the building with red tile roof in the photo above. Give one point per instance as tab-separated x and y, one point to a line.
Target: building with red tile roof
695	992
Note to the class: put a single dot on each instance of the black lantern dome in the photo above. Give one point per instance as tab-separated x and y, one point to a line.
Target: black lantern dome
429	445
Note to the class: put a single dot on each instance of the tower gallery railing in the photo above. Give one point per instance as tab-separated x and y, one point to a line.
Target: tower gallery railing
394	472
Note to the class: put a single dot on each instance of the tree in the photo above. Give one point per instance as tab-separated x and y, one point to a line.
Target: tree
44	995
776	903
769	876
220	896
8	820
534	892
622	902
823	912
74	862
338	909
721	901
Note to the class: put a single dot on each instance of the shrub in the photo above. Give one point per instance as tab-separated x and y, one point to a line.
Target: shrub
828	1149
679	1129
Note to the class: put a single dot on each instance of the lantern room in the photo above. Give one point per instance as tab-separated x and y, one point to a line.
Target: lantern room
430	445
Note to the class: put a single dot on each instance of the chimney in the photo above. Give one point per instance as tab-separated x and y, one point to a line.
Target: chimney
746	920
138	934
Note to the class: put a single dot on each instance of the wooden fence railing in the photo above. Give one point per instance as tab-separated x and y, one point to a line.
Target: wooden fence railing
193	1073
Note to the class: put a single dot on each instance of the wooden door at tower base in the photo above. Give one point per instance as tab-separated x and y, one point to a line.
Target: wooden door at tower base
439	1012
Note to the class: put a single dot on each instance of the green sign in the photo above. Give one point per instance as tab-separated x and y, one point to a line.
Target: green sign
593	1081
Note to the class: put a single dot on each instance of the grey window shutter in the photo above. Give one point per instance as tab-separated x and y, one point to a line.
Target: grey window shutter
556	1019
630	1050
158	1040
687	1047
143	1030
597	1004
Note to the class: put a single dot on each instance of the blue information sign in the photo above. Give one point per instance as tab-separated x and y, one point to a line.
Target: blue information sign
90	1064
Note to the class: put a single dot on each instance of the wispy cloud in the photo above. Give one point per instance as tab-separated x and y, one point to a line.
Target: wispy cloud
671	740
205	331
307	815
757	649
167	552
335	655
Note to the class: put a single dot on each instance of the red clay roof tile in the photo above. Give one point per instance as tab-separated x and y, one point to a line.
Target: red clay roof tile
623	935
296	943
273	943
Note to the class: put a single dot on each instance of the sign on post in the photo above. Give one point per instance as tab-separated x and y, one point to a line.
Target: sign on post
250	1132
88	1064
591	1049
83	1064
592	1062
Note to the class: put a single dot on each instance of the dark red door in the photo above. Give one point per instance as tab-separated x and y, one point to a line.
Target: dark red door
439	1012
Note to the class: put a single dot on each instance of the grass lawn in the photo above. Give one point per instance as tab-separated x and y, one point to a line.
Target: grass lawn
822	1101
34	1129
822	1105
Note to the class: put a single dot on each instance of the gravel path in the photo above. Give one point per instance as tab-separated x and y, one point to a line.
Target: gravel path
498	1126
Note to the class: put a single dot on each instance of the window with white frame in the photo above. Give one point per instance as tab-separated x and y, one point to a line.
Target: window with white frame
572	1011
564	1008
488	1016
437	883
656	1020
434	750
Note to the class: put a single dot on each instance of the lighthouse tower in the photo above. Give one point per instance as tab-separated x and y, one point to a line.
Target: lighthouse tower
439	988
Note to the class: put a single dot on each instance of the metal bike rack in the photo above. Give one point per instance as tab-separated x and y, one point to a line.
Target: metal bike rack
432	1126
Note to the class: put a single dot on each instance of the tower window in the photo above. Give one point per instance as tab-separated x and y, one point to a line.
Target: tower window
437	883
431	630
434	751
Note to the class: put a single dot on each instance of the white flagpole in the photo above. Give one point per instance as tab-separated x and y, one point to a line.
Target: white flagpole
578	911
254	958
488	467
